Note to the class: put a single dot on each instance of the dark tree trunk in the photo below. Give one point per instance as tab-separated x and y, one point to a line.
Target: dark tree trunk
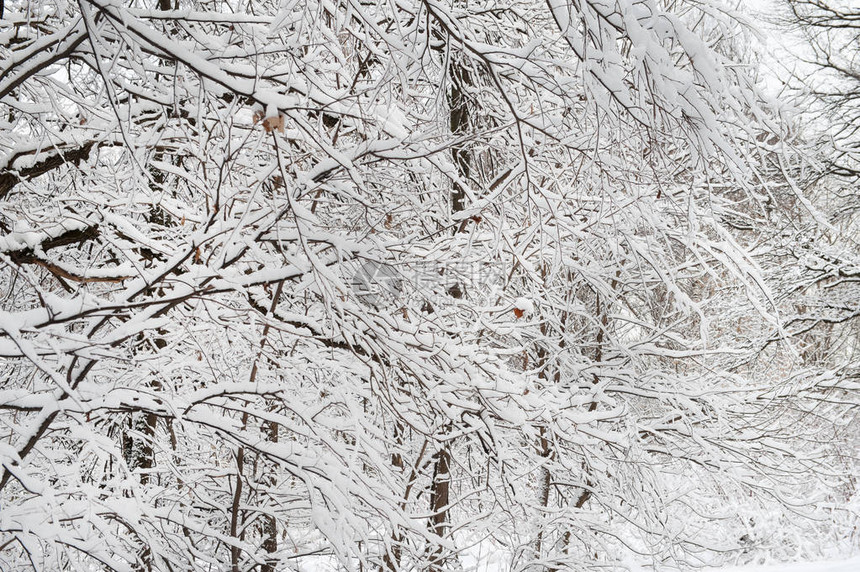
439	501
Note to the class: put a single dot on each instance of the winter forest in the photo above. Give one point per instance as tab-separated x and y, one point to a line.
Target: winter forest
428	285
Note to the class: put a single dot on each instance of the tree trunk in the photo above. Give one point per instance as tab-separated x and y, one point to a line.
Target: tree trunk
439	500
235	551
460	120
270	524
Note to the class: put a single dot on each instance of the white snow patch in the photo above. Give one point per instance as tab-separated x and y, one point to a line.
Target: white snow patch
524	304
